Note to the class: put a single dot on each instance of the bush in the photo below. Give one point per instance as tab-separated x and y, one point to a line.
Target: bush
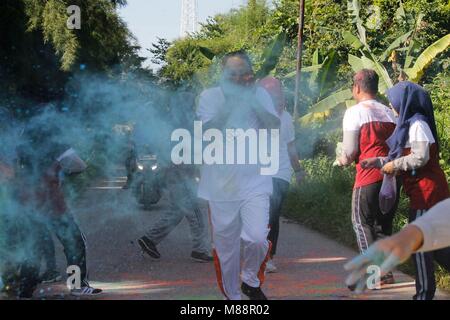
323	201
440	95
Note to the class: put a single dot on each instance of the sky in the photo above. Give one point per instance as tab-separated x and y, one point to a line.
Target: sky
150	19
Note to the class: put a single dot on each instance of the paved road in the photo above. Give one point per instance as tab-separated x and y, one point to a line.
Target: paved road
310	265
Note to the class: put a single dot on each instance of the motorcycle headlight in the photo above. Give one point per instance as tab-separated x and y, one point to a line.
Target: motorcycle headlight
154	167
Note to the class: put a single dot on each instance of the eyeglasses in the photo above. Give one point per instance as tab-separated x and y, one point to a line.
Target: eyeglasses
241	77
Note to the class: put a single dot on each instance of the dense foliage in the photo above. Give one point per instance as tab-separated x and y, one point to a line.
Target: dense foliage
39	54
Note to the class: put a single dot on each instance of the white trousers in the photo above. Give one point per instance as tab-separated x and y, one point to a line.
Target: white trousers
231	222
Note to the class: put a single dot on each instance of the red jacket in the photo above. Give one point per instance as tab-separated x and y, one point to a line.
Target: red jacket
428	185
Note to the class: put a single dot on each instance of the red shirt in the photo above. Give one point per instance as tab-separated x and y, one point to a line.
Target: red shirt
375	123
429	185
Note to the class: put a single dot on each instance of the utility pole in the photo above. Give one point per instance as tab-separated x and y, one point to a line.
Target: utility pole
299	56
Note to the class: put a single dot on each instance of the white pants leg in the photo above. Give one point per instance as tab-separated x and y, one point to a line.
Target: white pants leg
255	228
232	221
226	231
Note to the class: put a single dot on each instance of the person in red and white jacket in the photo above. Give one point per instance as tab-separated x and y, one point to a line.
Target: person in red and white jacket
366	127
414	152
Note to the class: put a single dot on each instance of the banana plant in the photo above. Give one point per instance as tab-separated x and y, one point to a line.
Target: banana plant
321	77
416	72
367	59
407	44
359	42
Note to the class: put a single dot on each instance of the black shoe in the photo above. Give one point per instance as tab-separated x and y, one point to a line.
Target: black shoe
253	293
388	278
149	247
352	287
201	257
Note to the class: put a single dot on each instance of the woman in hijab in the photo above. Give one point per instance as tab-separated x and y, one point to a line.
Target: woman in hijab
414	153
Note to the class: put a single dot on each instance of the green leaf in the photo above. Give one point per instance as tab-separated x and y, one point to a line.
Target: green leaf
369	63
400	14
207	52
394	45
308	69
354	7
315	57
409	57
327	73
331	101
350	103
323	107
352	40
355	62
271	55
426	58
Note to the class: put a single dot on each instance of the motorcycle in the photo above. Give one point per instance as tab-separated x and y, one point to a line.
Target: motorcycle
146	185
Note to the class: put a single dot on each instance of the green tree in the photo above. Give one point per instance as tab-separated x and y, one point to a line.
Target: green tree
39	53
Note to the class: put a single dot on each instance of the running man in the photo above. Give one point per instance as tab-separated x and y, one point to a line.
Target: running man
238	195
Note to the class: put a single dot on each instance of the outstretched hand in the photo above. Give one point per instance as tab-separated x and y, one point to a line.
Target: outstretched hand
386	254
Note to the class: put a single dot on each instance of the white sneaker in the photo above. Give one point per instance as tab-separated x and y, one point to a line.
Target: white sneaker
270	267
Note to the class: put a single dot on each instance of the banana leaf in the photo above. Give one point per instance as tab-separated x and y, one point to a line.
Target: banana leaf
352	40
271	55
367	63
426	58
394	45
331	101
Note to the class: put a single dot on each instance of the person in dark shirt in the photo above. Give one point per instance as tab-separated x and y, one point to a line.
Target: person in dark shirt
43	160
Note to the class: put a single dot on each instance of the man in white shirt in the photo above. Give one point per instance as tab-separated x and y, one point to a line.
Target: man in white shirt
238	194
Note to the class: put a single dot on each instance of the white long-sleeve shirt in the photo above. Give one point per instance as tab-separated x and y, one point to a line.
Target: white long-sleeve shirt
435	226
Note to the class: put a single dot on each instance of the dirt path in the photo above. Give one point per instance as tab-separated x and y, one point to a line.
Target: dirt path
309	264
